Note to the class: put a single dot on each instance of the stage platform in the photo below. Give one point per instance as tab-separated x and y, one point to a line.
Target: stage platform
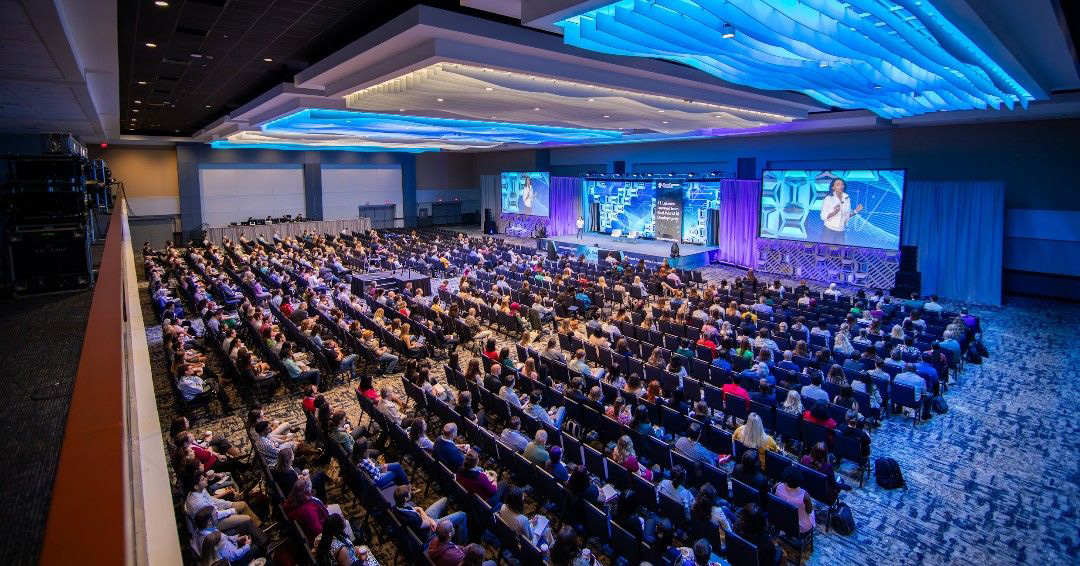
592	244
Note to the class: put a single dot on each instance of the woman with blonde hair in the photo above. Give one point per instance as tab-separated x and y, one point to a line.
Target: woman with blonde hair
752	435
897	332
623	454
793	403
655	359
842	341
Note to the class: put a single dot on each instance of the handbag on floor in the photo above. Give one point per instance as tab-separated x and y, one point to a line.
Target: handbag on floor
841	520
887	473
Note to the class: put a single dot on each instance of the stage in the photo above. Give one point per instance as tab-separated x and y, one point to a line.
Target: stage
591	244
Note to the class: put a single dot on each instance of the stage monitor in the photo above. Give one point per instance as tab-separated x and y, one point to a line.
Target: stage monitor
699	197
624	205
526	193
844	207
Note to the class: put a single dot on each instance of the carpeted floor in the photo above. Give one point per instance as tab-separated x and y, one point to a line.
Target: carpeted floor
40	341
994	481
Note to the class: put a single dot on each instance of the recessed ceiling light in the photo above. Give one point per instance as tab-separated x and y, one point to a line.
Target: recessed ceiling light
268	60
536	109
729	31
488	88
208	106
665	121
592	100
492	117
161	3
196	55
607	116
661	111
138	102
400	109
135	110
149	44
142	82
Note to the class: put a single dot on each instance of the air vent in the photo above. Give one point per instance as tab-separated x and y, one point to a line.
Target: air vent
171	61
196	32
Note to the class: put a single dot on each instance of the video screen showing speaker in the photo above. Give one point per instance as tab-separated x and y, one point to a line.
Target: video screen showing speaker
526	193
668	214
845	207
624	205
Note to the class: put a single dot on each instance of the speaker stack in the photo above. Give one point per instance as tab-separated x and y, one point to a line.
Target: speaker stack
908	278
48	233
489	222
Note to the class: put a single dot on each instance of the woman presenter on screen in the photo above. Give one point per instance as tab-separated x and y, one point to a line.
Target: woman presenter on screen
836	212
527	193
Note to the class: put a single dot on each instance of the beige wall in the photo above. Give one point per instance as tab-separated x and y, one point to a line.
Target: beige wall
149	177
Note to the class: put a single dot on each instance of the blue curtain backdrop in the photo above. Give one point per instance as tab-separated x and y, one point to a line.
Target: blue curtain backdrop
565	205
959	228
740	201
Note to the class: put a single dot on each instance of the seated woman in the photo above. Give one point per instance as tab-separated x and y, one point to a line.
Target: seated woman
634	385
819	415
480	481
618	410
624	455
513	514
708	509
749	472
675	486
751	527
286	475
418	434
752	435
336	548
790	490
307	510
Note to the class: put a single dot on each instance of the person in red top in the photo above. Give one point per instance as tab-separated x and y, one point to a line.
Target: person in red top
366	388
304	508
475	480
490	351
309	398
819	415
737	390
708	343
442	551
208	458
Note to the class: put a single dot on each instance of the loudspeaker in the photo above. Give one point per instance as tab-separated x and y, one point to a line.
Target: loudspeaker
49	259
594	213
746	168
908	279
712	227
619	167
489	222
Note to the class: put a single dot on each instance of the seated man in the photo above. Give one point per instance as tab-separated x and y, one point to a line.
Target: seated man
553	416
382	475
579	364
512	436
537	452
442	550
446	450
423	521
191	386
691	447
814	390
480	481
233	548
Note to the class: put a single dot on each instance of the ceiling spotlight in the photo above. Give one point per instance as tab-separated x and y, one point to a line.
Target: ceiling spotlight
536	109
492	117
665	121
208	106
138	102
877	87
135	110
488	88
661	111
161	3
400	109
196	55
592	100
149	44
823	64
142	82
268	60
729	31
606	116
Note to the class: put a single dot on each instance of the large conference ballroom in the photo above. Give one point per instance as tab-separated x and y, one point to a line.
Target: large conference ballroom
540	282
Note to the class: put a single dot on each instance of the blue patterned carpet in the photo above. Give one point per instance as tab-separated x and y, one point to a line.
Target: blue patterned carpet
997	479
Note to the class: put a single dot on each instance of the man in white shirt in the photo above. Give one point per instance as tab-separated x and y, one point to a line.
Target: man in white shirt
836	212
580	226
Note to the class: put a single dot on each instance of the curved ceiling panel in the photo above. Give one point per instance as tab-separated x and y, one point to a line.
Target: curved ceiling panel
476	93
894	57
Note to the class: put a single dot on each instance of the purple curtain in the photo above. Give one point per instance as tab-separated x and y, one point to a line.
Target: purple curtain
740	201
565	205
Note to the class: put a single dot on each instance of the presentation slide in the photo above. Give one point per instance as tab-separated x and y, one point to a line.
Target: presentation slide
624	205
526	193
669	210
698	198
844	207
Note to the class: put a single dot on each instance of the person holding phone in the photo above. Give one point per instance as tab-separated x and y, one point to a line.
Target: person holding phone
836	211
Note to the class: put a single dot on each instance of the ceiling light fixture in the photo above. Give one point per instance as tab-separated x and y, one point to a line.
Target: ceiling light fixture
665	121
438	100
488	88
661	111
142	82
208	106
592	100
196	55
607	116
161	3
138	102
268	60
135	110
729	31
150	44
536	109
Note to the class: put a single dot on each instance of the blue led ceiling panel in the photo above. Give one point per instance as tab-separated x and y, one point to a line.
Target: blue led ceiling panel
366	128
894	57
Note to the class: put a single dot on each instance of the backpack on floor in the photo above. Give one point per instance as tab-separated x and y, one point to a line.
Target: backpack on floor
887	473
572	428
841	519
